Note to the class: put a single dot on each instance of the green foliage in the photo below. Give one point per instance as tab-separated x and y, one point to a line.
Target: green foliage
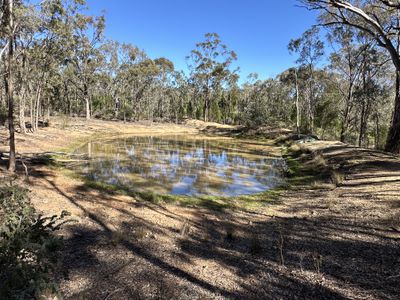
210	65
28	248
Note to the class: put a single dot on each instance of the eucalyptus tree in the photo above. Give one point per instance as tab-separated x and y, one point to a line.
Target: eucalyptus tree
347	64
380	20
210	65
265	102
179	95
230	100
310	49
82	36
130	84
40	52
164	81
371	90
246	95
290	77
144	79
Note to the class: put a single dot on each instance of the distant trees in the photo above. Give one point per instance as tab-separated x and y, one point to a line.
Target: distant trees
346	63
310	49
55	59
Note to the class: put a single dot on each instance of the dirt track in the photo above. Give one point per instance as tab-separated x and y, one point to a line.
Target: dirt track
342	243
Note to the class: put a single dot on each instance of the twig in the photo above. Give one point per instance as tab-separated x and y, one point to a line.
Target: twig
111	293
26	168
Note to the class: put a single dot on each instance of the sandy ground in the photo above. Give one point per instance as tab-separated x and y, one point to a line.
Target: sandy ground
341	243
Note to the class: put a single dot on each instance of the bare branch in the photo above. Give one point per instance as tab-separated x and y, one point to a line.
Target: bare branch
3	50
394	4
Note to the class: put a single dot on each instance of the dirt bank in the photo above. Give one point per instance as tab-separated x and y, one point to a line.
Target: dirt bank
335	242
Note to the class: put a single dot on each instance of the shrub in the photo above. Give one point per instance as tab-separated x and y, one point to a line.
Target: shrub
28	248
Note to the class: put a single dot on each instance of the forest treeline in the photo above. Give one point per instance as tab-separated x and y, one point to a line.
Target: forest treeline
344	84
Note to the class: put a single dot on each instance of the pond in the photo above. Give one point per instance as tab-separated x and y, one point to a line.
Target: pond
182	165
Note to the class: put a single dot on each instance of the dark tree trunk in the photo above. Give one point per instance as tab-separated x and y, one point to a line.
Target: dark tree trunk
361	134
377	135
393	138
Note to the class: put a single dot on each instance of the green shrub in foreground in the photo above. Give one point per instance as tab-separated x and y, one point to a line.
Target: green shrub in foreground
28	248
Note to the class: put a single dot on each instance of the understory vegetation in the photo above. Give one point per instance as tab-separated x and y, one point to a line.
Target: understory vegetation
28	247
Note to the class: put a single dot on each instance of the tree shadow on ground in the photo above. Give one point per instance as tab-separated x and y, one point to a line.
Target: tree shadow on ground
140	250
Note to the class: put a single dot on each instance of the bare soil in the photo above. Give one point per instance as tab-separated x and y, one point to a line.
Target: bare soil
338	243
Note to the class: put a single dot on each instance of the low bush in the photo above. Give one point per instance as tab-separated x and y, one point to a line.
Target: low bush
28	246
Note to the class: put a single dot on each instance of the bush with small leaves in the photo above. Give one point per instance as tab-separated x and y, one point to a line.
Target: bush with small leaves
28	248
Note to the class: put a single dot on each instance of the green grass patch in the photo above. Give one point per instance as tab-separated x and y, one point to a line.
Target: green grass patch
306	169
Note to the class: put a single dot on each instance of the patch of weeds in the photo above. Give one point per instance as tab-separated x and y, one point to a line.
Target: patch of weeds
280	234
45	160
206	236
337	178
317	261
140	233
256	201
301	260
150	197
28	247
319	162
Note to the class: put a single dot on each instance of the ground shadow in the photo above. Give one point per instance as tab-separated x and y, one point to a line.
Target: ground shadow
136	249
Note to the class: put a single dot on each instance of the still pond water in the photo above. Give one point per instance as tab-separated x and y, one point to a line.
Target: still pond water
182	166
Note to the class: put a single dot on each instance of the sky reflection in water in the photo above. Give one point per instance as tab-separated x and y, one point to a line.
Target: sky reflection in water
177	166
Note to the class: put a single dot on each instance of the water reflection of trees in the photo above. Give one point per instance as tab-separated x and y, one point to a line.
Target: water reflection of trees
181	166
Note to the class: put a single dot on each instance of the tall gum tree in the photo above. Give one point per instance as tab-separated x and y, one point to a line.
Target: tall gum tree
210	66
82	35
346	62
380	19
310	49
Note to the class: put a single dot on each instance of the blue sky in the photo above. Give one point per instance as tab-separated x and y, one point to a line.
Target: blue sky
257	30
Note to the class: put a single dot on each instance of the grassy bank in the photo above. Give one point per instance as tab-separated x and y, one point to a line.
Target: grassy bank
309	169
